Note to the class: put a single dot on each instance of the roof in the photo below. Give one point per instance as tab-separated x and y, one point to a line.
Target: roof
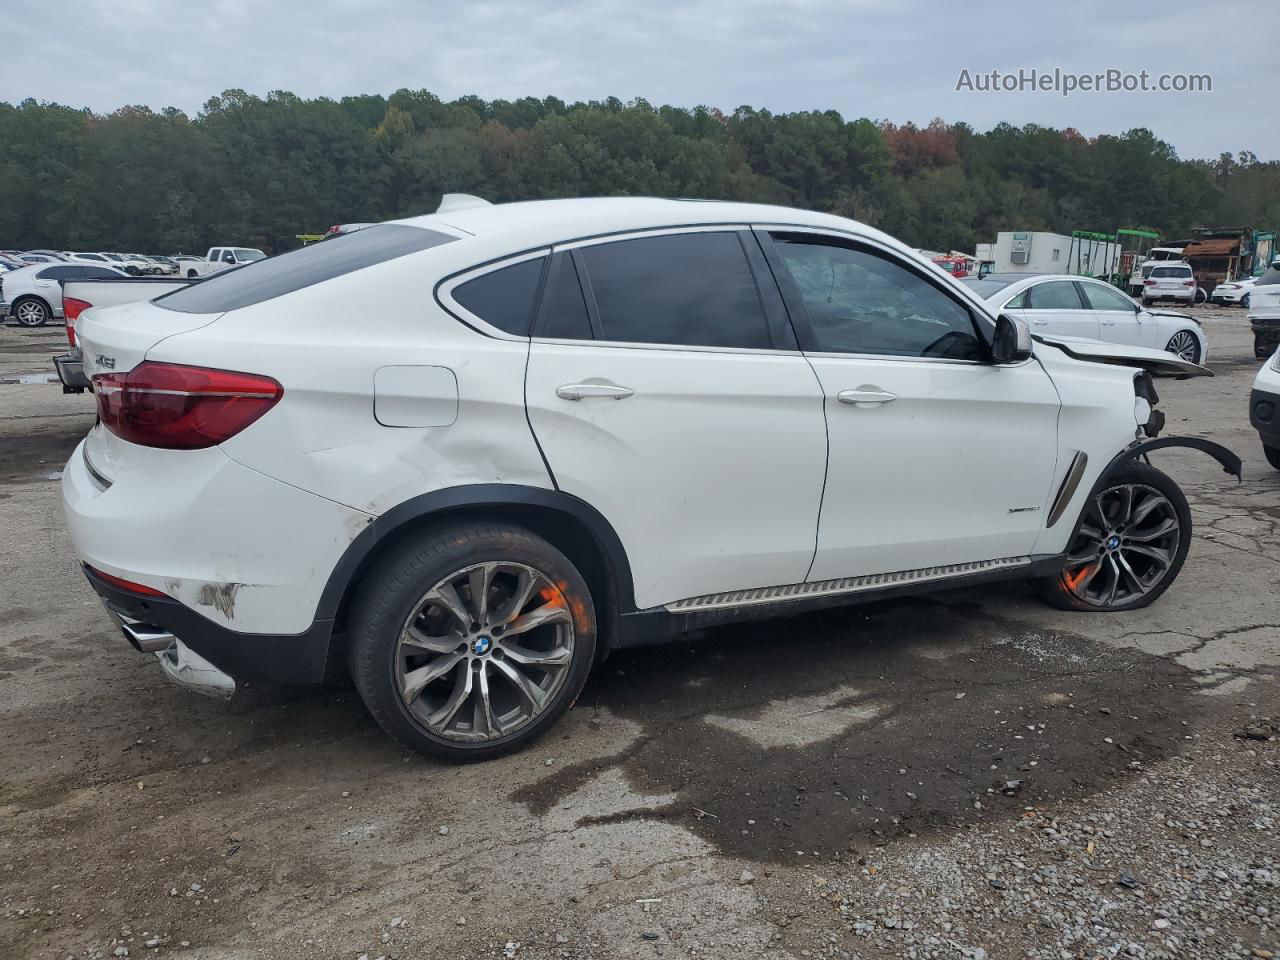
538	222
1217	247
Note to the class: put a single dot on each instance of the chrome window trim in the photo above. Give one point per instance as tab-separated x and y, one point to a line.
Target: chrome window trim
444	293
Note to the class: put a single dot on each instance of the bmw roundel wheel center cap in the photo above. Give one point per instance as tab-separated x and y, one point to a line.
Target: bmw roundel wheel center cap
481	644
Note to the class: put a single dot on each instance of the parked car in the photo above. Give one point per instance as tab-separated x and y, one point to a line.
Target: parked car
220	258
84	257
1264	311
1170	281
1233	292
1264	408
167	265
7	264
32	295
40	258
569	426
79	294
1083	307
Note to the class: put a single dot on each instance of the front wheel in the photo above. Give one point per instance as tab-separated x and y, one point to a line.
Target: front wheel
1184	346
1129	546
471	642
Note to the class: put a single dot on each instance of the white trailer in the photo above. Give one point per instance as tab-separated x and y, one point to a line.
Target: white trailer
1043	252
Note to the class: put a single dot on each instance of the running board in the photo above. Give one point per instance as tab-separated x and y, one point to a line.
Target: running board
834	588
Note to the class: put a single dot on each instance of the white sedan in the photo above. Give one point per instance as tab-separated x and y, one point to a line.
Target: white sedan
1068	306
1234	292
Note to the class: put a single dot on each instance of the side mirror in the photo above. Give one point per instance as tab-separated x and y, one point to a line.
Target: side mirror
1012	343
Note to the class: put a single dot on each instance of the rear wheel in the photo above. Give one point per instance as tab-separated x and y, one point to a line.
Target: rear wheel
1273	456
1184	346
32	312
470	643
1129	546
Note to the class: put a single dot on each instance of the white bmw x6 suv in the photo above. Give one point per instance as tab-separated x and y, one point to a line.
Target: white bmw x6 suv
469	453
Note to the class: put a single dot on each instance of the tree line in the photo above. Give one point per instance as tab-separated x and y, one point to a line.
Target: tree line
257	171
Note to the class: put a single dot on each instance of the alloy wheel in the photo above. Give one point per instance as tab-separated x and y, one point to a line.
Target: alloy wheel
30	314
1183	345
1125	546
485	651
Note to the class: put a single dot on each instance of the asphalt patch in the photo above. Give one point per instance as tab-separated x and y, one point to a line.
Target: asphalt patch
913	715
33	456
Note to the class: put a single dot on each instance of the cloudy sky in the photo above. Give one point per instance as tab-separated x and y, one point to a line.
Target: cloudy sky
897	60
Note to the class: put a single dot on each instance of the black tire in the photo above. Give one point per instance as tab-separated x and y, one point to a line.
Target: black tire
191	274
1273	455
31	312
1244	301
1063	589
396	590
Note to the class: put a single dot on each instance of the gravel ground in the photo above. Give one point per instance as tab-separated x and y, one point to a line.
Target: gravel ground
970	775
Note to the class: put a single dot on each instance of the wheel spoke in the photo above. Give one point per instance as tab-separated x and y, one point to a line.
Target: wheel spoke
1165	528
481	579
441	718
1149	503
446	596
556	657
532	693
1126	505
483	721
526	582
1115	580
416	639
551	612
1162	557
415	680
1133	578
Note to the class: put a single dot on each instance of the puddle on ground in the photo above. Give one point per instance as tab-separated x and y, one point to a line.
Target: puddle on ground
841	730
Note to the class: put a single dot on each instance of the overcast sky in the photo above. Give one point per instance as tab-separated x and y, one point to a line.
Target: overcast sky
897	61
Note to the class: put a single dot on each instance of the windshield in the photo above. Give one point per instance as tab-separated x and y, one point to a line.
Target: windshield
249	256
987	288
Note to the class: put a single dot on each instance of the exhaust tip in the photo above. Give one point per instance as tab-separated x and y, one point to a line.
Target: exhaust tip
146	638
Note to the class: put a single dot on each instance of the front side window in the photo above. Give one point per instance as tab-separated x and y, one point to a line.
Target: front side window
504	297
1054	295
276	276
690	289
862	302
1104	298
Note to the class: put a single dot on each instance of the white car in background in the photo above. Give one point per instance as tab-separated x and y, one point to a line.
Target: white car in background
1071	306
1264	408
567	426
33	295
220	258
1264	311
1170	281
1233	292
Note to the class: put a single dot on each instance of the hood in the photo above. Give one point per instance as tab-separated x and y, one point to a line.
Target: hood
1175	314
1156	362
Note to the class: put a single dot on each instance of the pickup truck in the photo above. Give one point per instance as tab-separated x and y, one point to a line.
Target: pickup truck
79	295
220	258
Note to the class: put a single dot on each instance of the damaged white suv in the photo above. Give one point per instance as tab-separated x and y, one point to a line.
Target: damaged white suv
469	453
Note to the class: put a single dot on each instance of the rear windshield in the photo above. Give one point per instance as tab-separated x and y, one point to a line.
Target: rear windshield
1171	272
276	276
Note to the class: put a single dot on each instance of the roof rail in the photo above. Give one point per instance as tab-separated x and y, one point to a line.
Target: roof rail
460	201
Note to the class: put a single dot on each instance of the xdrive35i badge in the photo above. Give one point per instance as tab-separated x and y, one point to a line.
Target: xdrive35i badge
104	361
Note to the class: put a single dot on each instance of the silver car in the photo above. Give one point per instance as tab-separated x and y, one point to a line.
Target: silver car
33	295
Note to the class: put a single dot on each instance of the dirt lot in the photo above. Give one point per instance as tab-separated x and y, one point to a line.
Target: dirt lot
971	775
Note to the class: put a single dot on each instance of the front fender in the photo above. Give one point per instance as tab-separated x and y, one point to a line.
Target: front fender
1230	462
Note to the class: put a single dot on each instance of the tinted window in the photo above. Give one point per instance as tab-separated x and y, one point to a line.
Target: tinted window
1171	272
98	273
276	276
1055	295
1020	301
1104	298
565	316
860	302
1271	276
57	273
694	289
504	298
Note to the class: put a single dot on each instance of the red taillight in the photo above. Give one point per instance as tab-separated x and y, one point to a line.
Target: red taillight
177	407
1148	283
123	584
71	310
1188	283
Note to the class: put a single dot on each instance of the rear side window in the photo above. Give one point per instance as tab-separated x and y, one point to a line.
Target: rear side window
692	289
276	276
504	298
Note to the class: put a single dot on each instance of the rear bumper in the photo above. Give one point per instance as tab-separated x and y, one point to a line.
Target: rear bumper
70	369
272	658
1264	415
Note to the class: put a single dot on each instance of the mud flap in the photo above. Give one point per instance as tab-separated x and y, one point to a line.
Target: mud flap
1230	462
